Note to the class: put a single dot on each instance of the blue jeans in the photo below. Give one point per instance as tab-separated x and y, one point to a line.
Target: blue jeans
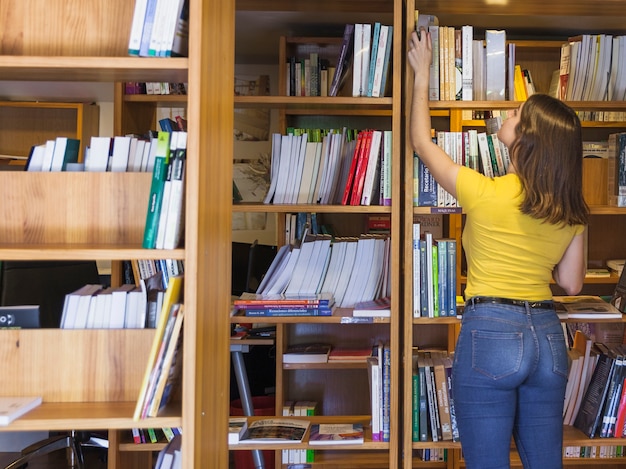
509	377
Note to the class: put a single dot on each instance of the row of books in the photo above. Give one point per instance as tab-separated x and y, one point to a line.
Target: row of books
595	398
616	172
160	28
379	378
352	270
301	409
59	154
434	275
365	54
164	228
481	151
155	87
331	167
94	307
164	365
433	406
594	452
592	68
153	435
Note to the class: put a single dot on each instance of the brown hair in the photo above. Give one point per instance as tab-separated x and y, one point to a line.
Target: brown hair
547	155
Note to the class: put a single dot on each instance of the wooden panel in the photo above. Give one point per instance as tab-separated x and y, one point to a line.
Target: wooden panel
594	180
46	208
74	365
65	27
23	125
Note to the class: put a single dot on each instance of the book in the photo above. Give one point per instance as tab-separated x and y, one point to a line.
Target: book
65	152
12	408
344	60
237	426
171	368
256	299
336	434
287	311
585	307
349	354
136	29
275	430
307	353
590	412
379	307
171	297
155	200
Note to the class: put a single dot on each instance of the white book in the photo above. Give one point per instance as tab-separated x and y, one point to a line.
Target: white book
140	146
158	27
100	319
307	172
167	190
274	167
295	176
136	29
12	408
346	271
280	192
614	68
275	268
375	381
60	144
496	64
337	255
174	227
375	275
119	156
317	266
282	280
435	70
315	174
360	272
321	170
373	168
134	313
71	304
572	69
300	270
48	155
485	154
98	158
428	241
365	62
357	60
85	308
35	161
117	316
381	50
467	38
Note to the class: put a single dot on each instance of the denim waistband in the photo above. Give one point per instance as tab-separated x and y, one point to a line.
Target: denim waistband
507	301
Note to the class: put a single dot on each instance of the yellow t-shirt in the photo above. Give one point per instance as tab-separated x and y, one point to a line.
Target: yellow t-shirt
509	254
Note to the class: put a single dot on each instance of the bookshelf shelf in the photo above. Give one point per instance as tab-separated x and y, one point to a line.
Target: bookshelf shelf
100	69
313	104
337	318
291	208
86	252
89	415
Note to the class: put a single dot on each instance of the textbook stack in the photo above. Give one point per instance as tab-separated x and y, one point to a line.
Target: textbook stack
280	305
337	166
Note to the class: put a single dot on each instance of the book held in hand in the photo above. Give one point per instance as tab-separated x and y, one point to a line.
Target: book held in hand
275	431
14	407
336	434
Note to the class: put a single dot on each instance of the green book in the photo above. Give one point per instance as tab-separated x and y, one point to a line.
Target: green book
159	174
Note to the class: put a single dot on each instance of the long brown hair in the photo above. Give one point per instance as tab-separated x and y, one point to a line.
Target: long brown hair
547	155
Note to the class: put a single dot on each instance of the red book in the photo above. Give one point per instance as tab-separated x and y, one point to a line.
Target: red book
350	354
348	188
361	168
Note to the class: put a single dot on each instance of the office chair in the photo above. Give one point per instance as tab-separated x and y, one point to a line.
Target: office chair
45	283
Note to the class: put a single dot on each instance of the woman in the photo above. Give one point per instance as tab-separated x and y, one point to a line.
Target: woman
522	230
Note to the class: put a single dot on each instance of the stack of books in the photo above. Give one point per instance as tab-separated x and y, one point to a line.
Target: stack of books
280	305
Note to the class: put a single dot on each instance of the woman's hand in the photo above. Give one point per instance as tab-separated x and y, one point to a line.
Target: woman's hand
420	55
